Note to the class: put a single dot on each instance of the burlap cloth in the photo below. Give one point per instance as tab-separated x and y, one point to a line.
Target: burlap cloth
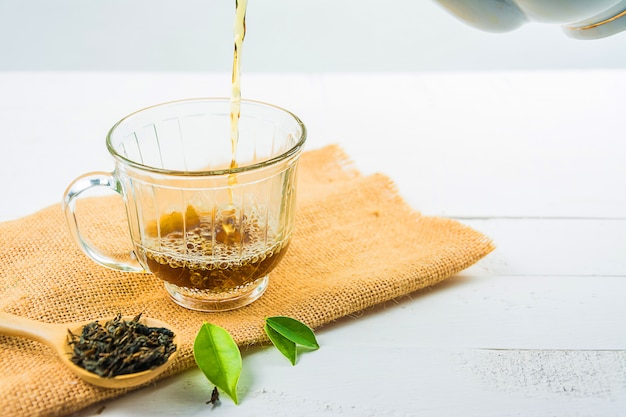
356	244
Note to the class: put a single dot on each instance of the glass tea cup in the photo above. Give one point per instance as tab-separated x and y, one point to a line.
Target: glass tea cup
210	229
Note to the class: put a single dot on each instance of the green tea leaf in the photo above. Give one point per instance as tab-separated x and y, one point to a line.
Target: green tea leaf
219	358
284	345
294	330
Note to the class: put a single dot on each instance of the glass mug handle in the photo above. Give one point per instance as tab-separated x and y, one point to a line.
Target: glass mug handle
75	189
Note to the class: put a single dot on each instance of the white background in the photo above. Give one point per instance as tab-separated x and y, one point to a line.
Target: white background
283	36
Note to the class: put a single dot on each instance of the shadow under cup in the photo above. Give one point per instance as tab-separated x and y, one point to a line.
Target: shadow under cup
210	229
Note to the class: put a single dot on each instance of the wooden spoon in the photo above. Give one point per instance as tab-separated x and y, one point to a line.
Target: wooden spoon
55	336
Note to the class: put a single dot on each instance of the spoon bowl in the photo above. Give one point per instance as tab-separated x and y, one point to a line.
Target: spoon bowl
56	337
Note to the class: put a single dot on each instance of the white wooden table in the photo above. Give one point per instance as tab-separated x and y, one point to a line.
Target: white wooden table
535	160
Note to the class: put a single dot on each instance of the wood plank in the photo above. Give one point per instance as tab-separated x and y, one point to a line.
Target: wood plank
548	247
496	312
402	381
485	144
466	145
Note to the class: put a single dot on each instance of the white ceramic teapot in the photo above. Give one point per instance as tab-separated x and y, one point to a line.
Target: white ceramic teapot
580	19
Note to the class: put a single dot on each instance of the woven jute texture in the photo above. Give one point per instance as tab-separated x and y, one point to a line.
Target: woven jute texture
357	243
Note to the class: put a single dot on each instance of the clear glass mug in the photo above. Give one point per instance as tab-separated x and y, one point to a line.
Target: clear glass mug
212	232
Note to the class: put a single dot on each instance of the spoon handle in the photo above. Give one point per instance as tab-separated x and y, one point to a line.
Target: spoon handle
12	325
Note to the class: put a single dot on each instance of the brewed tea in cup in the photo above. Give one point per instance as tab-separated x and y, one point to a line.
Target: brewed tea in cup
209	216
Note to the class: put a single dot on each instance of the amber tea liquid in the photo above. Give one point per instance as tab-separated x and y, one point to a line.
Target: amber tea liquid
222	259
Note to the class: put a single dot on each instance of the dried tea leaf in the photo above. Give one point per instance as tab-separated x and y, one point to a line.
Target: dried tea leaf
120	347
215	396
219	358
294	330
284	345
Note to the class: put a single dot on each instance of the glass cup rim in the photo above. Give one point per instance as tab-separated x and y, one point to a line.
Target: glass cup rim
294	150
